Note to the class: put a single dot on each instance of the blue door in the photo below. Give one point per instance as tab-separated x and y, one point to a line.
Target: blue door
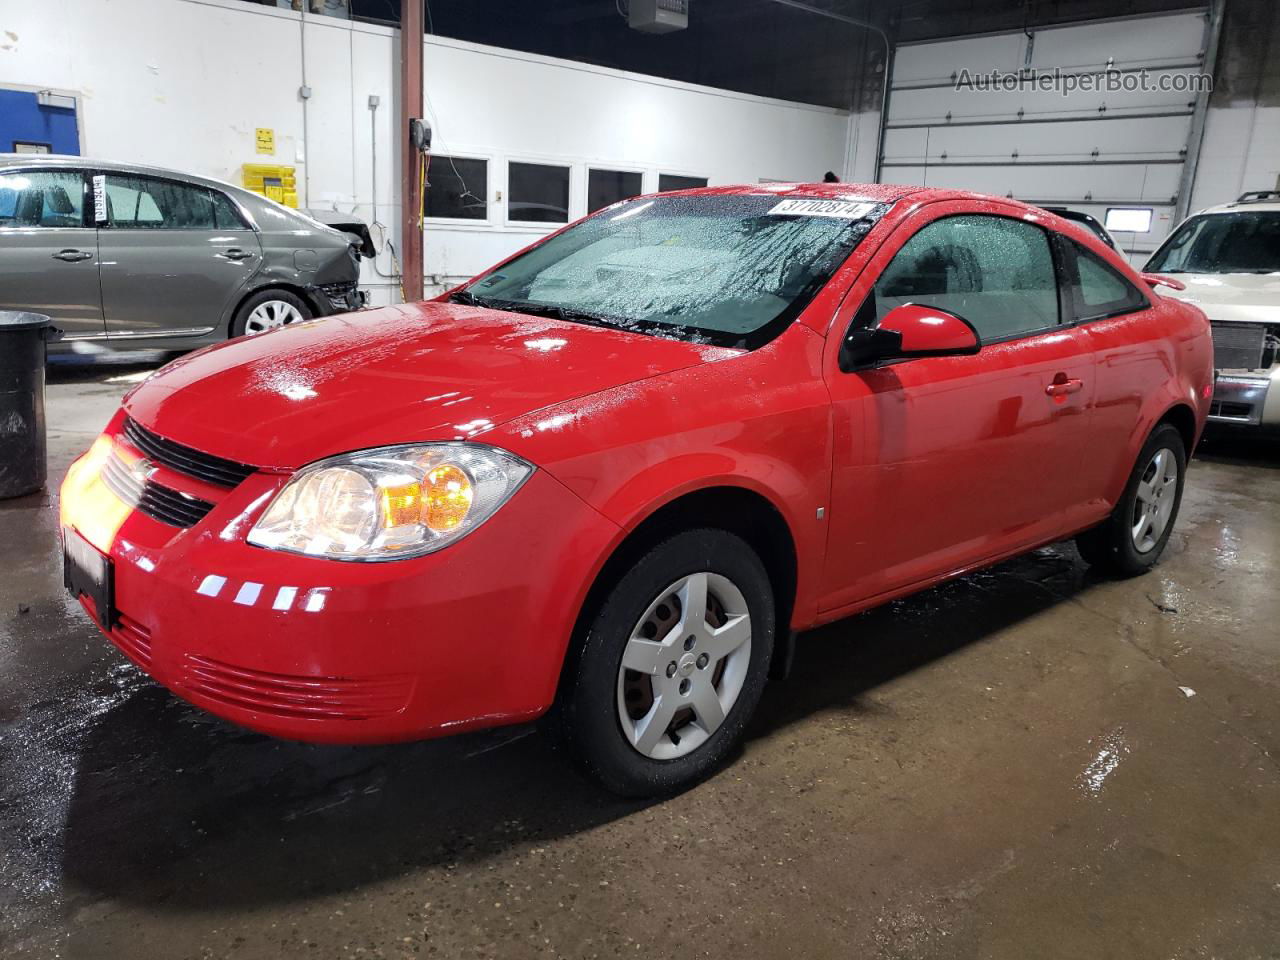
27	126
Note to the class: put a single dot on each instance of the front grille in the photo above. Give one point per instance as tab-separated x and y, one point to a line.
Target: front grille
320	698
203	466
1238	346
155	500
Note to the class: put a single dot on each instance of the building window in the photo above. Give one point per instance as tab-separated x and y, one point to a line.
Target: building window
537	193
674	181
457	188
605	187
1129	219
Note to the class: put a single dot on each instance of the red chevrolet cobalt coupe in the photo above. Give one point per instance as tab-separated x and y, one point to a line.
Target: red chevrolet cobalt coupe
610	478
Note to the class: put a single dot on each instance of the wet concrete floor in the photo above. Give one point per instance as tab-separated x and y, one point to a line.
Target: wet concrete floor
1029	762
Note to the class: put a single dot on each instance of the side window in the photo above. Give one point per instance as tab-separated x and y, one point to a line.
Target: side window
142	203
995	272
42	198
1099	289
225	215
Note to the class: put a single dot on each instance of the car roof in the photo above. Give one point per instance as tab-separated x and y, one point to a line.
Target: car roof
878	192
1243	206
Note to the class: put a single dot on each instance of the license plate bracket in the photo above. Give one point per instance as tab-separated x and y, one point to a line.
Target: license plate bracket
87	571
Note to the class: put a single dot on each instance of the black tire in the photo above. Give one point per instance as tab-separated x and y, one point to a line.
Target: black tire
587	715
1111	546
241	319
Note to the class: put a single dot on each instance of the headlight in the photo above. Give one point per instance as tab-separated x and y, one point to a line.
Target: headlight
390	502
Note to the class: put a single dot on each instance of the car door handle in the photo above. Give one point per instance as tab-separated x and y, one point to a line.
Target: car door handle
72	256
235	253
1060	388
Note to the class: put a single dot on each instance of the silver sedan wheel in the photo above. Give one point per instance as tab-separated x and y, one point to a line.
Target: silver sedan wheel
271	314
1152	508
684	666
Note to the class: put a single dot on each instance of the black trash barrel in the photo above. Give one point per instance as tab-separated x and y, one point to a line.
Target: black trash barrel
22	434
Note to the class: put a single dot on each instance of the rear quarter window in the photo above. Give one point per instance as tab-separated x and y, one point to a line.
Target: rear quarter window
1099	289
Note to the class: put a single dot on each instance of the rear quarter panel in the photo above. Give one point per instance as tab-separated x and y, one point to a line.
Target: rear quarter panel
1146	364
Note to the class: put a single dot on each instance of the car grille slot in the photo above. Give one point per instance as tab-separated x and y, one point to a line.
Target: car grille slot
322	698
1226	410
1238	346
155	500
203	466
134	641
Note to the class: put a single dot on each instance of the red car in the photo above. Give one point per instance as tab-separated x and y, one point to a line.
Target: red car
613	476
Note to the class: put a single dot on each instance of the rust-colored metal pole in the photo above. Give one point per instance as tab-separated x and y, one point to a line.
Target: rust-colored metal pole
411	42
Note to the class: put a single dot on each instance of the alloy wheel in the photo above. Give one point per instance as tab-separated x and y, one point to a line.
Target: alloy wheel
684	666
271	314
1153	505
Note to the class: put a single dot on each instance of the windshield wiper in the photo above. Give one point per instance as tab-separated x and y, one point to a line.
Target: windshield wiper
553	310
468	298
557	312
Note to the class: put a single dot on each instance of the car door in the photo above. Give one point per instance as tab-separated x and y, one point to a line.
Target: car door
48	256
941	463
174	256
1132	361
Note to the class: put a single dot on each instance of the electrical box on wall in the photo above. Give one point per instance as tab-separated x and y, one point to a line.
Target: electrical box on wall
658	16
272	180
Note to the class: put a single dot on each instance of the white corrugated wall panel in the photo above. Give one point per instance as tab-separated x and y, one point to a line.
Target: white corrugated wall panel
1090	150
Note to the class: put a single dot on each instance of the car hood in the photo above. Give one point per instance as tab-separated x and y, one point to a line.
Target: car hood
1249	297
402	374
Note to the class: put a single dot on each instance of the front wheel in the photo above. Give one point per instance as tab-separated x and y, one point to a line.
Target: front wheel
672	665
1131	540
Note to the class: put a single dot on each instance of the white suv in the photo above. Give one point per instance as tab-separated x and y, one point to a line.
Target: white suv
1229	258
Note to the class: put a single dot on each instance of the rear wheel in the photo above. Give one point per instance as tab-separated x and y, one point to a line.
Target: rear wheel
269	310
672	666
1131	540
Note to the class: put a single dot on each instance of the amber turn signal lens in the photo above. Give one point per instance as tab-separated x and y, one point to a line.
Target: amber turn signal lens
402	505
447	496
441	501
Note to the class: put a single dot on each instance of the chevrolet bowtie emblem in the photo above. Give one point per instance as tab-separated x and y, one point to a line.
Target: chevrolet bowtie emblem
142	470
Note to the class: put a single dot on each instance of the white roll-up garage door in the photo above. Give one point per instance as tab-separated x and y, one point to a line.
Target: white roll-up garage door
1092	150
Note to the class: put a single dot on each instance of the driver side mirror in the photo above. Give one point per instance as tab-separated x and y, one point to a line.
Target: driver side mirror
906	333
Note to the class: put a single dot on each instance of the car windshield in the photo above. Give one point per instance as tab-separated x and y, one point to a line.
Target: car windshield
1244	242
731	270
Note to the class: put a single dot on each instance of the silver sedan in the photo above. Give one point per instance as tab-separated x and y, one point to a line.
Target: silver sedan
128	257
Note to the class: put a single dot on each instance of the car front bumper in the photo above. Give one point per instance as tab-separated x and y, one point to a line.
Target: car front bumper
345	652
1246	398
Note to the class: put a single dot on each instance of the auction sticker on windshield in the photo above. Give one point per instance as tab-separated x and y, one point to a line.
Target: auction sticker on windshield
844	209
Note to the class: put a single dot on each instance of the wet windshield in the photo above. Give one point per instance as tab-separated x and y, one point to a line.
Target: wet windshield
730	270
1245	242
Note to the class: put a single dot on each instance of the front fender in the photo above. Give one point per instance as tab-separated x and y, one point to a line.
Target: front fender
759	422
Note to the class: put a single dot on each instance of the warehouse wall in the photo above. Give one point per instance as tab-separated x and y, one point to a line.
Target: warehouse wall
184	83
1241	149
